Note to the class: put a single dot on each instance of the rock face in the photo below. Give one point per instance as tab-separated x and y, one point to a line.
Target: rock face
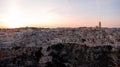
61	55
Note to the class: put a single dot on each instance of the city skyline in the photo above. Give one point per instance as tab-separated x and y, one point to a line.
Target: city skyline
59	13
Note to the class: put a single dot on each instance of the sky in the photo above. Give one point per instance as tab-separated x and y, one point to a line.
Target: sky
59	13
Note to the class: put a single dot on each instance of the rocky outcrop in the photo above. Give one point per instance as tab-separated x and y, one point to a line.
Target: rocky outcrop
61	55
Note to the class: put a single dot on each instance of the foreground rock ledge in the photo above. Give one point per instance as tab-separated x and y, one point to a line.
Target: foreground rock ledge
61	55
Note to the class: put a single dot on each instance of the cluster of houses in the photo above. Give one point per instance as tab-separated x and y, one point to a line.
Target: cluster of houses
36	37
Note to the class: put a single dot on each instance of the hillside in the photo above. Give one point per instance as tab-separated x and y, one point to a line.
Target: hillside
60	47
61	55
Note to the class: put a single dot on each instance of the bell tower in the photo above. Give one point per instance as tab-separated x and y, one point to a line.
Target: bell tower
100	24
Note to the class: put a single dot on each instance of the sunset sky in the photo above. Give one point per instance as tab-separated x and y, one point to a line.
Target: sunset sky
59	13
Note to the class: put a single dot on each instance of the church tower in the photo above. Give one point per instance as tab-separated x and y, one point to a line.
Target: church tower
99	24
